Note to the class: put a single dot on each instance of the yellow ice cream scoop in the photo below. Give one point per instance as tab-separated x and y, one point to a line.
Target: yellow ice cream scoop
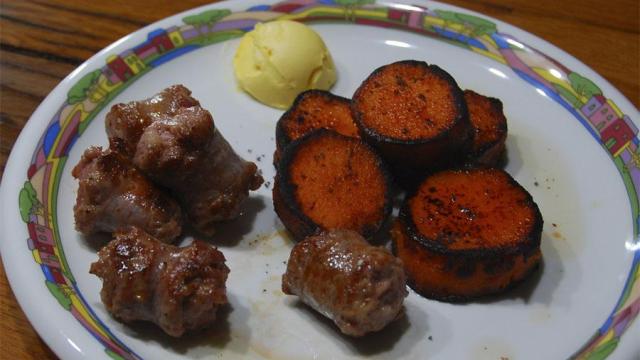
278	60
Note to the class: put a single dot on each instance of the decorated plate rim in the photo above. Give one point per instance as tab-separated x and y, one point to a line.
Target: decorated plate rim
213	23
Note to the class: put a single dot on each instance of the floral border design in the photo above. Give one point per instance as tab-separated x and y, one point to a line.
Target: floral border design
599	115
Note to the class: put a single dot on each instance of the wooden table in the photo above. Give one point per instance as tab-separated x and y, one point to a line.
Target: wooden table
42	41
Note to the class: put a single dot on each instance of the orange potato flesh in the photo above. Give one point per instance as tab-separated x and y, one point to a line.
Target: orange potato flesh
466	233
406	101
452	278
336	182
490	127
339	184
472	209
316	109
415	115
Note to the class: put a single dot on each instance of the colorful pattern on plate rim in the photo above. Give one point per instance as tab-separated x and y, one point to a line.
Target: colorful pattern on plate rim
580	96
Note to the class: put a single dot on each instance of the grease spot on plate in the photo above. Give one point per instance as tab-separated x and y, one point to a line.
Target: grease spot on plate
540	314
492	349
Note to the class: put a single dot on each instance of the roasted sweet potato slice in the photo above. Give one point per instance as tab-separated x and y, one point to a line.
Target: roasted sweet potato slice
490	129
415	114
467	233
312	110
329	181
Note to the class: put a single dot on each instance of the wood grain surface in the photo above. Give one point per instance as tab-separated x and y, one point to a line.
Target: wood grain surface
43	41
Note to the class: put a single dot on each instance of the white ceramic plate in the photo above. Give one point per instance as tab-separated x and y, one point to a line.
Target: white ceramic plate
572	143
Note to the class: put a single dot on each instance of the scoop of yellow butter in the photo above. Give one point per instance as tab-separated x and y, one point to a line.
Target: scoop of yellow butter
279	59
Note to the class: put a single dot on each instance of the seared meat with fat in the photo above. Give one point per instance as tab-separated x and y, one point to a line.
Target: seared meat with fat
178	289
126	122
359	286
114	194
187	154
182	150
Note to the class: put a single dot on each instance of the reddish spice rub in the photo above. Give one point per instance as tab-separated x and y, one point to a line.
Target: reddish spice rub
414	114
467	233
312	110
329	181
359	286
178	289
490	129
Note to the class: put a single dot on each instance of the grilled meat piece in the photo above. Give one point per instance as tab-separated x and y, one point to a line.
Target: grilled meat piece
178	289
113	194
125	123
339	274
188	155
179	147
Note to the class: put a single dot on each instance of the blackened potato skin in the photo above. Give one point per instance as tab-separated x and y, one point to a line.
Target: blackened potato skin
467	233
362	213
412	155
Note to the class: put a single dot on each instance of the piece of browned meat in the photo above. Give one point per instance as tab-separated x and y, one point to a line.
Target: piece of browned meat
113	194
181	149
178	289
187	154
126	122
359	286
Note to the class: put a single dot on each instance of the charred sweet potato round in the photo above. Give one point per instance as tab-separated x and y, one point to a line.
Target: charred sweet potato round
467	233
490	129
313	110
329	181
414	114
